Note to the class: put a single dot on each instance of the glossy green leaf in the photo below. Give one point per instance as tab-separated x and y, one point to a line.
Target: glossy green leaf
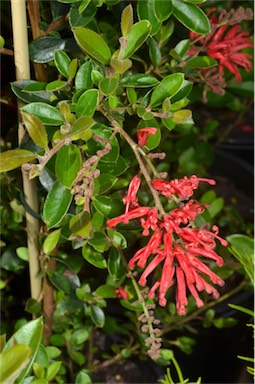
168	87
201	62
42	50
29	97
72	69
99	242
80	127
13	361
51	241
242	243
103	183
14	158
166	32
108	206
83	5
29	334
138	80
116	169
87	103
46	113
37	86
195	1
38	371
80	224
127	20
115	265
95	258
108	85
56	204
191	16
67	165
83	77
181	48
135	38
56	85
163	9
93	147
146	11
79	336
22	253
36	130
60	281
97	316
62	62
184	91
154	52
93	44
79	17
106	291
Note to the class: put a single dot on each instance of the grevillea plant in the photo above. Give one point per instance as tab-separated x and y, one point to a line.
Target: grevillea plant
120	220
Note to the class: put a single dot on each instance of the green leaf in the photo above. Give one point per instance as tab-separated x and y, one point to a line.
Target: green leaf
51	241
183	92
68	163
223	322
93	44
83	77
56	204
13	361
201	62
121	66
242	243
46	113
53	352
154	52
216	206
103	183
79	17
97	316
191	16
153	140
118	240
42	50
37	86
62	62
168	87
106	291
87	103
245	88
135	38
80	225
56	85
95	258
181	48
83	5
79	336
29	334
14	158
138	80
38	371
22	253
108	85
93	146
29	97
242	309
72	69
108	206
36	130
127	20
81	127
53	369
115	266
83	378
116	169
58	340
100	242
33	306
60	281
180	117
163	9
146	11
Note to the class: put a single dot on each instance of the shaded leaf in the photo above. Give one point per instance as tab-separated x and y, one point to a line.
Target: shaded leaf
79	17
36	130
163	9
103	183
62	62
29	97
14	158
95	258
80	224
42	50
146	11
201	62
97	315
60	281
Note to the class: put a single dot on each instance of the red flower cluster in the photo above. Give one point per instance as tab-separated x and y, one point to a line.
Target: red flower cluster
175	242
224	44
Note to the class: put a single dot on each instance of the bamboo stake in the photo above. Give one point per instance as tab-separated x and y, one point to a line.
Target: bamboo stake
21	58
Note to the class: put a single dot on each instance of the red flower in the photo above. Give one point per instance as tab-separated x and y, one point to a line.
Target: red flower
224	44
143	134
175	244
121	293
183	187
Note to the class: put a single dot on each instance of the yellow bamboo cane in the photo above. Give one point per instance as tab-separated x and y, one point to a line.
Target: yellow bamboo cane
21	58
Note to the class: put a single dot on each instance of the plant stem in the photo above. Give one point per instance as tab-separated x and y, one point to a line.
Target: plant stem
135	149
21	57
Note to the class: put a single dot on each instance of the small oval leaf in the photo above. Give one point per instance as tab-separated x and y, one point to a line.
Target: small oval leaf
127	20
46	113
68	163
93	44
62	62
36	130
87	103
191	16
135	38
168	87
14	158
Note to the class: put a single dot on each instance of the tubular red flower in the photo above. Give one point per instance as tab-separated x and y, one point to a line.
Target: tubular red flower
134	214
121	293
131	200
143	134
